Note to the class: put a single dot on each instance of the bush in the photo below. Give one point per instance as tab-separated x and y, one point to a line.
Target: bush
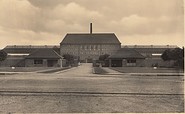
3	55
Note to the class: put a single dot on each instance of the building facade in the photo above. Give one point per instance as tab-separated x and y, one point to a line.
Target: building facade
43	58
126	57
152	54
88	47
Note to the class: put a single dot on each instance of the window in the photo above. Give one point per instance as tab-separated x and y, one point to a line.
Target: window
156	54
87	47
131	62
92	47
95	47
38	61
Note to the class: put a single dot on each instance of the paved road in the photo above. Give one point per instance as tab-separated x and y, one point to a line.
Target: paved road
78	90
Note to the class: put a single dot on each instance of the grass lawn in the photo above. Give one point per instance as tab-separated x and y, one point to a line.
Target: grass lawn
146	70
99	70
54	70
23	69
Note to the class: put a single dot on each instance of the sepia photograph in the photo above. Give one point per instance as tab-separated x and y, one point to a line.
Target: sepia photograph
91	56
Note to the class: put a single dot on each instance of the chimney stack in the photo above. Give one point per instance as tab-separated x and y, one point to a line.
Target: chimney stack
90	28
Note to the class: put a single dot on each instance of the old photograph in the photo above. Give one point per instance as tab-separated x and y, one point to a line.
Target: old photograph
92	56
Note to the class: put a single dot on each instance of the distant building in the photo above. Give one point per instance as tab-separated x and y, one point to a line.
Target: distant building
150	51
89	46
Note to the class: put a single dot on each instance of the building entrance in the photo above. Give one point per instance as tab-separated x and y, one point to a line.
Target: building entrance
116	63
52	63
89	60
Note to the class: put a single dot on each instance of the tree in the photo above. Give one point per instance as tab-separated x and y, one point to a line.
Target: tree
166	55
3	55
69	58
103	57
176	54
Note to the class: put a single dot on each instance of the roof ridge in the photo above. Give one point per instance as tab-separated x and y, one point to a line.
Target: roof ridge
57	53
83	38
44	53
87	33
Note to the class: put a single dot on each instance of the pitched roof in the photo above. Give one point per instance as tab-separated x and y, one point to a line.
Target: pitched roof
124	53
46	53
95	38
150	48
26	48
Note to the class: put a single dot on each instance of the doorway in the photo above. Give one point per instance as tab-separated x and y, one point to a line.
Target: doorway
52	63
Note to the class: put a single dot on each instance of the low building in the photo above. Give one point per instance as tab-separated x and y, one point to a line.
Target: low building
43	58
126	57
150	51
16	54
153	53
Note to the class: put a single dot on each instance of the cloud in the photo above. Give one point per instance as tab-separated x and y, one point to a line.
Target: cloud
46	3
135	24
27	37
27	20
18	14
154	39
74	13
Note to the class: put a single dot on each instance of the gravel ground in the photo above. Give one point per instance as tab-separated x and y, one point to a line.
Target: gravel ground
78	90
90	104
23	69
146	70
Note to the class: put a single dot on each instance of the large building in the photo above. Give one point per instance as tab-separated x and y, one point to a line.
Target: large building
89	46
86	47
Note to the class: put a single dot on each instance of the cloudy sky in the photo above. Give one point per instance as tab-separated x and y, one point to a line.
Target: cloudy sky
46	22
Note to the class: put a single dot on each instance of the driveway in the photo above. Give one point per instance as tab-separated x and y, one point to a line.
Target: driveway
85	69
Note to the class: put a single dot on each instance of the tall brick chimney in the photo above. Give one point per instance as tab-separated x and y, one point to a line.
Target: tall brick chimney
90	28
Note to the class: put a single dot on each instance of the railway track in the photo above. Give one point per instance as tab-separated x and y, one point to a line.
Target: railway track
44	93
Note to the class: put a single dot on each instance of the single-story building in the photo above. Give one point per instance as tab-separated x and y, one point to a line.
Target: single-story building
126	57
152	54
43	58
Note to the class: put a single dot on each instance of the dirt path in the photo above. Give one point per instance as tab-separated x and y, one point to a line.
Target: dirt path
85	69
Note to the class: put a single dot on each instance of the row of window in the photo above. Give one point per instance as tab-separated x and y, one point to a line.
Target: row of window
38	61
88	52
91	47
131	61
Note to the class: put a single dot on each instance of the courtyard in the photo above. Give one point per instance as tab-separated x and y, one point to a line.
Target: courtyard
79	90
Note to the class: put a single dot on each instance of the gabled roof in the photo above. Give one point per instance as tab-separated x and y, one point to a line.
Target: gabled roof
27	48
150	48
124	53
46	53
94	38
